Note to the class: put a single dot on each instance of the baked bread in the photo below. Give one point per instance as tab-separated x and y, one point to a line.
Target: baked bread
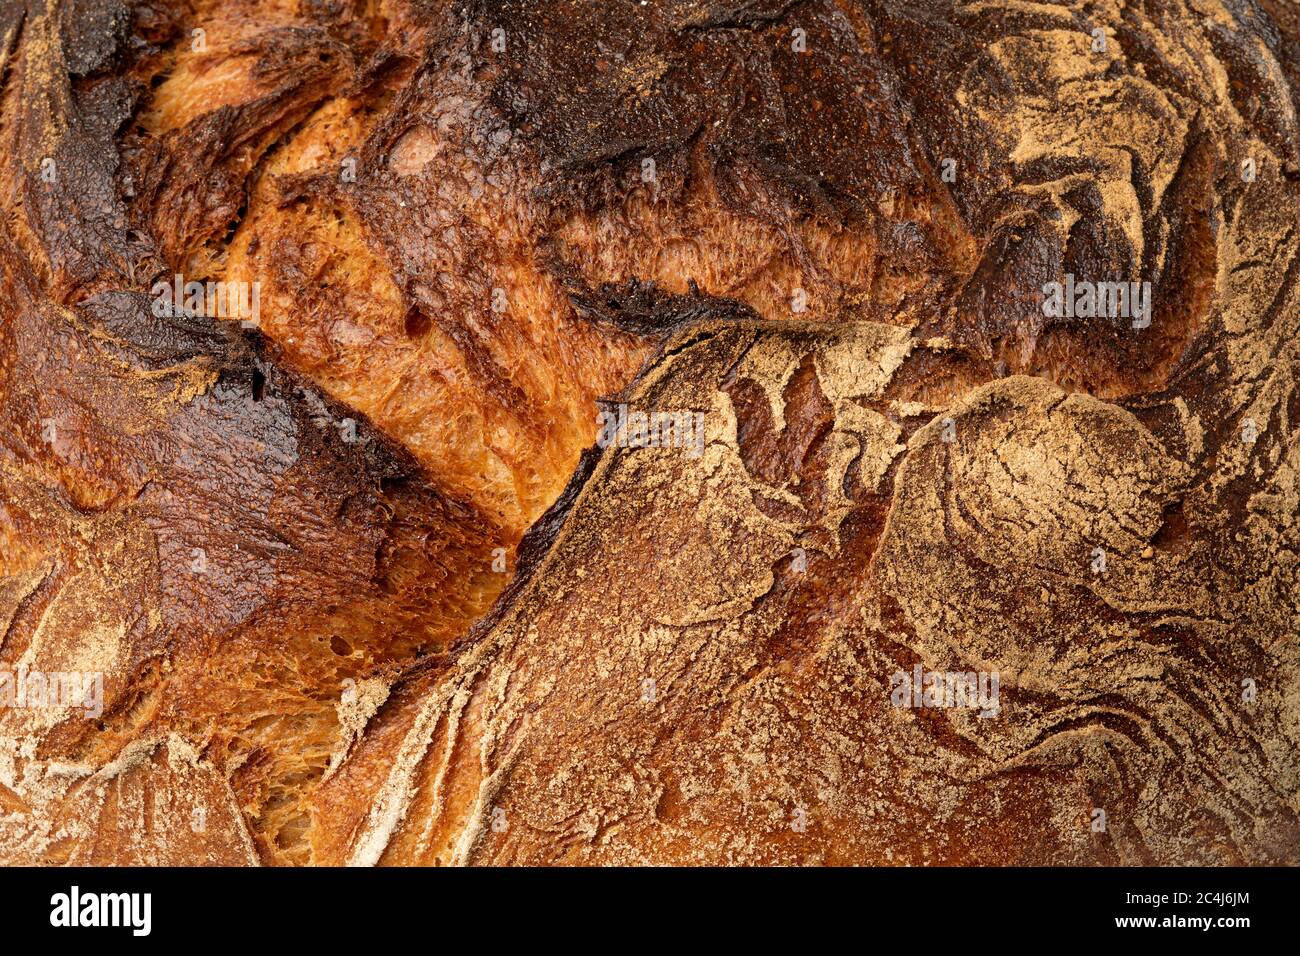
646	401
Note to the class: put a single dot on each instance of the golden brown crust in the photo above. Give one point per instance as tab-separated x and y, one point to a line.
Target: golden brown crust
282	547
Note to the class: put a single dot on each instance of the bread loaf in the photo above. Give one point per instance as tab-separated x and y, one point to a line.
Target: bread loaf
684	432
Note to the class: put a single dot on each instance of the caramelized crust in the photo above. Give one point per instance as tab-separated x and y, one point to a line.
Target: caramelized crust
363	590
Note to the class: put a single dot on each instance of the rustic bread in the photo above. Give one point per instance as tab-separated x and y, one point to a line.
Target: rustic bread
375	581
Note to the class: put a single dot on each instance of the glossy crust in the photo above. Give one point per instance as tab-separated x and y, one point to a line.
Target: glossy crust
283	546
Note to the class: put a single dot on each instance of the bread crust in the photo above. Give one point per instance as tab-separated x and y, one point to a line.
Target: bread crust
363	586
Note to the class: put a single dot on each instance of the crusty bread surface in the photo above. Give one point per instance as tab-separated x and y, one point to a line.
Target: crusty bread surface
366	583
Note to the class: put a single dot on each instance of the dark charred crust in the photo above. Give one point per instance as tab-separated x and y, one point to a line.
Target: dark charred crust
721	77
153	342
642	308
94	32
69	130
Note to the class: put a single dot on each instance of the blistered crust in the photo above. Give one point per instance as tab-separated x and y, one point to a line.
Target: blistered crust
824	227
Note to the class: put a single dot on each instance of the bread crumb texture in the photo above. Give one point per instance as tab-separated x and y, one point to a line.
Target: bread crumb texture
361	583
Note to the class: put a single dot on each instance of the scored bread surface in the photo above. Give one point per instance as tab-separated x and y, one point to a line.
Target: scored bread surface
365	588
